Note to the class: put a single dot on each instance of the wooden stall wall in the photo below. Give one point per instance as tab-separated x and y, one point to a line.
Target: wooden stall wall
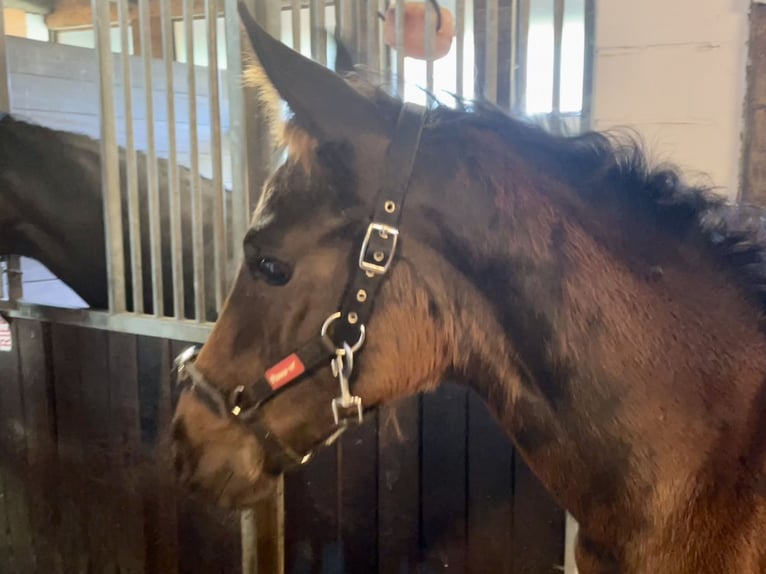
427	485
85	484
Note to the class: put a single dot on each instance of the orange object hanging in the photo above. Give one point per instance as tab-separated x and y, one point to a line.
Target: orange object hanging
414	30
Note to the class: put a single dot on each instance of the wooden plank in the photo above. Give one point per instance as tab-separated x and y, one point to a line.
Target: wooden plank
127	461
95	427
73	62
6	541
538	525
358	495
161	529
17	495
65	341
490	492
9	373
39	413
74	14
399	486
443	491
74	96
311	516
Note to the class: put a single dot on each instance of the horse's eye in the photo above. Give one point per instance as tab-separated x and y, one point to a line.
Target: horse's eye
274	271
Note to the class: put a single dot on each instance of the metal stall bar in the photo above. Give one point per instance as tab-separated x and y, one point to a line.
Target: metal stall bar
219	215
155	229
262	528
459	46
586	114
317	31
195	187
558	32
514	56
131	163
399	34
110	161
373	35
12	263
296	23
174	203
491	58
429	38
238	130
522	41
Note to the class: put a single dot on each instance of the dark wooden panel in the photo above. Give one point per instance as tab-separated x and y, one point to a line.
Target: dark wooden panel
65	342
443	464
312	544
127	459
358	496
33	339
96	430
17	530
538	525
490	492
160	521
399	487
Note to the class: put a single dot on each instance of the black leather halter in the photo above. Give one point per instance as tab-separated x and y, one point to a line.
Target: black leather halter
376	255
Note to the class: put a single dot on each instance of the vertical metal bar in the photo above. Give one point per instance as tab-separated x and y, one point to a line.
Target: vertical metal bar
586	115
514	56
318	32
12	263
174	199
155	230
131	175
110	161
240	198
521	49
459	46
195	187
2	277
373	35
492	37
296	21
347	21
429	37
399	33
558	31
219	217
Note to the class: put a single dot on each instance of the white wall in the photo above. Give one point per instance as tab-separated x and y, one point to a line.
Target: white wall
675	71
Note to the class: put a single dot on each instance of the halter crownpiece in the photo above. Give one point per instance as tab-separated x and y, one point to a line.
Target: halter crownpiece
376	256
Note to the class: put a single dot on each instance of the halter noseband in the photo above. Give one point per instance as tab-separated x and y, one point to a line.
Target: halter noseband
376	256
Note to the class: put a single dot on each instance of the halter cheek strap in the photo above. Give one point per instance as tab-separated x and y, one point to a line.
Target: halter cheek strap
376	256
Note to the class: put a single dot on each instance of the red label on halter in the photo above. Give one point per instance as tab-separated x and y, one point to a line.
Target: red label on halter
285	371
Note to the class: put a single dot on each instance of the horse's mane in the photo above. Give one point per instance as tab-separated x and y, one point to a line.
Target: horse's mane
613	166
615	163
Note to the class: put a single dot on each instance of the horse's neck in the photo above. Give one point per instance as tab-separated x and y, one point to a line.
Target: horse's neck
636	388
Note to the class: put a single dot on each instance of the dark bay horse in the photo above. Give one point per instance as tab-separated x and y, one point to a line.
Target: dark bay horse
610	316
51	210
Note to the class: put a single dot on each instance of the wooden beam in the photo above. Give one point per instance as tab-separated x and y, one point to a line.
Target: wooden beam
73	14
31	6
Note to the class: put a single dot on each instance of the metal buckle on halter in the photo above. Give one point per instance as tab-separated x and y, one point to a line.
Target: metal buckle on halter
380	260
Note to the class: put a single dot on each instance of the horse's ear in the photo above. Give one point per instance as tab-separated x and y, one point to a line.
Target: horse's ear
323	103
344	62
